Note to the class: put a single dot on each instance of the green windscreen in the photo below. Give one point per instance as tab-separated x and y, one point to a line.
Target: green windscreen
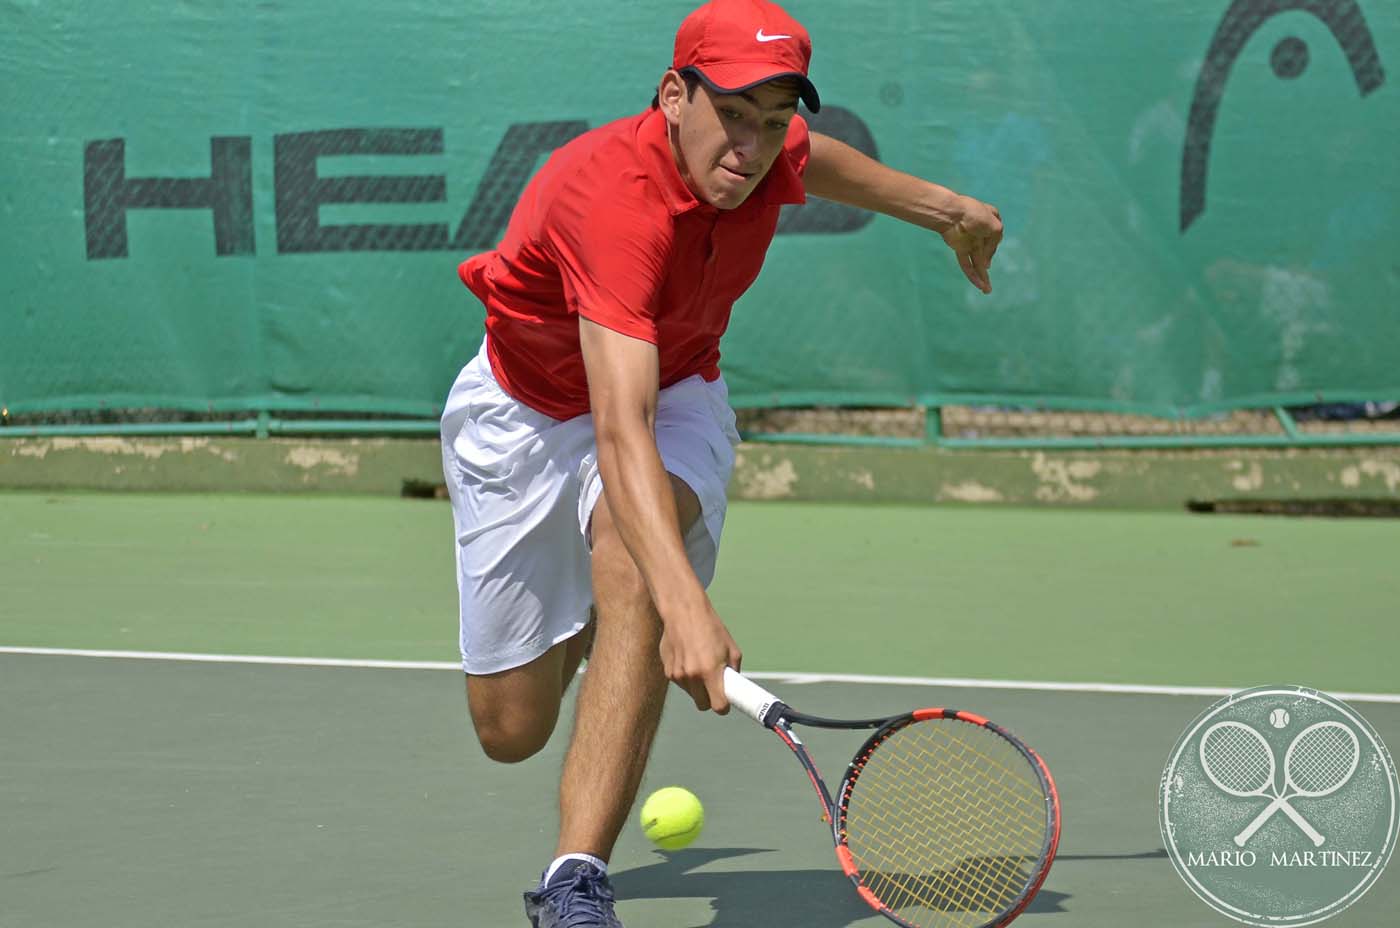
232	207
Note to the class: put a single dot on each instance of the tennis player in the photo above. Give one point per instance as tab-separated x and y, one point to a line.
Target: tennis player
588	445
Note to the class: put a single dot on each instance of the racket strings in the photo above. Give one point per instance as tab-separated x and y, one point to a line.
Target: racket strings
945	822
1237	759
959	873
1322	760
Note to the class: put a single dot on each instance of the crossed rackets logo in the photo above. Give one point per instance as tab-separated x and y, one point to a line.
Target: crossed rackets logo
1229	761
1320	760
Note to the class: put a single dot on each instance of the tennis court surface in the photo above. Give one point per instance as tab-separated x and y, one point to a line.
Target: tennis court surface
138	792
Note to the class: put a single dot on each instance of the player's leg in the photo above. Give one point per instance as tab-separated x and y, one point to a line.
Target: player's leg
621	696
522	565
514	711
695	435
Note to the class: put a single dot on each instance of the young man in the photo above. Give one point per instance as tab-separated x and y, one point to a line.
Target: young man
588	446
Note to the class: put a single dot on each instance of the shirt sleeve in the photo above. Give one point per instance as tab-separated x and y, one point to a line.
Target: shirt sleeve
612	253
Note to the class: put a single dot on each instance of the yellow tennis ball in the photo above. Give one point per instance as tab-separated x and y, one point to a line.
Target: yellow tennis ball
672	818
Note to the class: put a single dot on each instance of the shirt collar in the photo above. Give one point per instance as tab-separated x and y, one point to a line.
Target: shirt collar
782	185
655	148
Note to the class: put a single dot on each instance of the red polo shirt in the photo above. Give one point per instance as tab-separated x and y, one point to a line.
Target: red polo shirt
608	230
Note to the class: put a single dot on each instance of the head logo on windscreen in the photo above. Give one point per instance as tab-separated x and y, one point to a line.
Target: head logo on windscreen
1289	59
1279	806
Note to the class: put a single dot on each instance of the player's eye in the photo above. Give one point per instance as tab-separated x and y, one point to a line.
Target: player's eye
777	124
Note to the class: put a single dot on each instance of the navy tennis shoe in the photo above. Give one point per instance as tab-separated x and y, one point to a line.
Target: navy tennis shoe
578	896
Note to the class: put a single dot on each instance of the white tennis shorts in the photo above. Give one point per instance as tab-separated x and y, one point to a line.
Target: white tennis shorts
523	487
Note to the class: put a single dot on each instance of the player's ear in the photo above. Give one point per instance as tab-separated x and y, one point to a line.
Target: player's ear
670	95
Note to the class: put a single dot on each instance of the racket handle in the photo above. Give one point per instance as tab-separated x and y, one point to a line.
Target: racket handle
1317	839
750	698
1281	803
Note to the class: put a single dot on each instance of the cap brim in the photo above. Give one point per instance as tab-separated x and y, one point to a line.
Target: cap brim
739	77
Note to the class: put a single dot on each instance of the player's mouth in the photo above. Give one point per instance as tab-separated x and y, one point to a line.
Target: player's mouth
737	176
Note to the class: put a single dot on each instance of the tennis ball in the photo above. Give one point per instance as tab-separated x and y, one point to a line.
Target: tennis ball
672	818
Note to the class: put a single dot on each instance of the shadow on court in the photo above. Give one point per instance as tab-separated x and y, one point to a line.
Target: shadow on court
1159	854
808	897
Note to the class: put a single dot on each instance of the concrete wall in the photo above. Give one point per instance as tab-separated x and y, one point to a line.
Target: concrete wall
1130	479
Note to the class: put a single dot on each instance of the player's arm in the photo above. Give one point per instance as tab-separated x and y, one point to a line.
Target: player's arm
836	171
623	383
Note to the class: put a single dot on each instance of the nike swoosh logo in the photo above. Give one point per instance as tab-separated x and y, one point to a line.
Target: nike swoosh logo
769	38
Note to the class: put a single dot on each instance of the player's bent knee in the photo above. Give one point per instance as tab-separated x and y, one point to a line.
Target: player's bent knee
514	712
512	734
511	746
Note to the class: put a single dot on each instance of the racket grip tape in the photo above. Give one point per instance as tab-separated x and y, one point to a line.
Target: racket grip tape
751	699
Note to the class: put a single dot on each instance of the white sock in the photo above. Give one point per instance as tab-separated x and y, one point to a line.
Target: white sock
587	858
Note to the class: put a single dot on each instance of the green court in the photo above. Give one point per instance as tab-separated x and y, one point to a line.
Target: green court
138	792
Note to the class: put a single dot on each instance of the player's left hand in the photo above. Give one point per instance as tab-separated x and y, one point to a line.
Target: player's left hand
974	238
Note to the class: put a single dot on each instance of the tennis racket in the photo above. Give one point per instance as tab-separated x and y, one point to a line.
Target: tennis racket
1238	760
943	819
1319	761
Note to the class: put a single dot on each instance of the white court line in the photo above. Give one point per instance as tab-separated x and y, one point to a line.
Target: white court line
239	659
1134	688
791	678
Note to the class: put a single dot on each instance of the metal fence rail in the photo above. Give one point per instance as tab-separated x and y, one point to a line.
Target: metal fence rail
265	425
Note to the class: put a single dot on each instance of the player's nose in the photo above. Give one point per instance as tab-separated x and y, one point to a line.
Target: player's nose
745	147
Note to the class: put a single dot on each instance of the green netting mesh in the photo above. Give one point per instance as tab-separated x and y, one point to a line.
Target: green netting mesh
250	207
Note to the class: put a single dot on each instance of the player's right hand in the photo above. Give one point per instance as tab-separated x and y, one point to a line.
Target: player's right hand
974	238
695	649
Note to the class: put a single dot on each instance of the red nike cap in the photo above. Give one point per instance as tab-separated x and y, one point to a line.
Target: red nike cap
737	44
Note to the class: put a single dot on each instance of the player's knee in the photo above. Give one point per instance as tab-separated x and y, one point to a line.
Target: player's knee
514	711
612	563
615	571
510	742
